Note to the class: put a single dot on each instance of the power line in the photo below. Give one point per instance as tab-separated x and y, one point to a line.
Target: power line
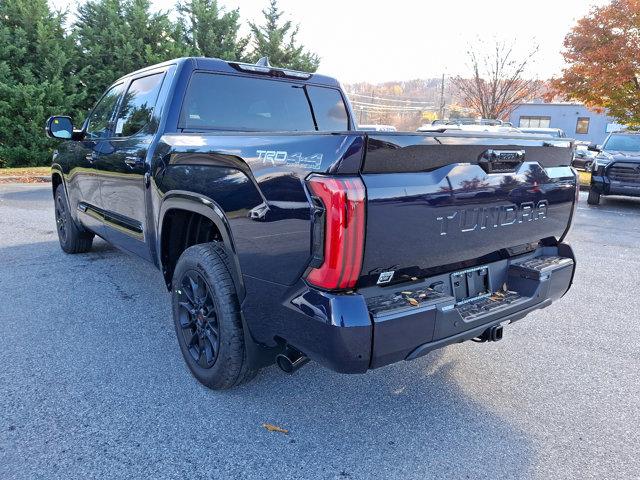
387	99
393	108
382	109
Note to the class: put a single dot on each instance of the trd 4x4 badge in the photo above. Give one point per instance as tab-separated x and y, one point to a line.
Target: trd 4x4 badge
282	157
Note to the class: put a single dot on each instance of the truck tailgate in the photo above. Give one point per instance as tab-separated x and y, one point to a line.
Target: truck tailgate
441	203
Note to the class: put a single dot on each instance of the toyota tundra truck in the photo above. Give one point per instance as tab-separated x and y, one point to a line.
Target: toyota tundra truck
284	234
615	170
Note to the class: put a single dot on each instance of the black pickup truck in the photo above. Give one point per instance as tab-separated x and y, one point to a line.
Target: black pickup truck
285	234
615	170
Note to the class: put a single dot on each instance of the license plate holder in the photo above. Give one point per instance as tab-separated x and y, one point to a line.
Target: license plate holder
470	284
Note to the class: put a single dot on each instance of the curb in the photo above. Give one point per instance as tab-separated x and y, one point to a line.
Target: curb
25	179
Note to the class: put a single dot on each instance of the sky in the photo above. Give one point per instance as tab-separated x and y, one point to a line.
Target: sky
376	41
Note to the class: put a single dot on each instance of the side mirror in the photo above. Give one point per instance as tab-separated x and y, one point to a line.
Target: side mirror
594	148
60	127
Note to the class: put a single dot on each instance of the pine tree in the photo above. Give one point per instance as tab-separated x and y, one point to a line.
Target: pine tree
277	40
36	79
116	37
209	31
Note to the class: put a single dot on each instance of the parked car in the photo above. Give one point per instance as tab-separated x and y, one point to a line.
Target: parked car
377	128
554	132
284	234
583	157
616	167
469	125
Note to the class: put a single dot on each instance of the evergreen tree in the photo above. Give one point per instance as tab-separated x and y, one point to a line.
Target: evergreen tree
277	41
209	31
44	70
36	79
116	37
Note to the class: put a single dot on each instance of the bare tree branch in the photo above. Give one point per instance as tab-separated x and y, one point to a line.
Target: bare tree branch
497	83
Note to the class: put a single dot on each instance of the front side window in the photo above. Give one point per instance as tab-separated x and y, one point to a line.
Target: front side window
235	103
582	125
137	105
534	122
99	125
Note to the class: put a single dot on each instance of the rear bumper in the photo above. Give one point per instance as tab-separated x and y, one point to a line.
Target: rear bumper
351	333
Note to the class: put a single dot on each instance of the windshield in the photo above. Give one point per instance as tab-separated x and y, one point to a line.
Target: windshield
623	143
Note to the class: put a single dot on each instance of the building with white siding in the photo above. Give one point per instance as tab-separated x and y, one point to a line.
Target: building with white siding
575	119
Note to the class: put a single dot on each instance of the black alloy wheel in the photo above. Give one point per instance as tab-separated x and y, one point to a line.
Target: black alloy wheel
199	319
73	237
208	318
61	217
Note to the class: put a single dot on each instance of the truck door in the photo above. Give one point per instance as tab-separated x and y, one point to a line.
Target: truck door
122	171
83	178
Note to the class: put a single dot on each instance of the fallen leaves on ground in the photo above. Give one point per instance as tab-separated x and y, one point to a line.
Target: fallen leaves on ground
25	171
23	180
275	428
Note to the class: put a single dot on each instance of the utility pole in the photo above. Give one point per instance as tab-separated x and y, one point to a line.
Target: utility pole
371	107
441	114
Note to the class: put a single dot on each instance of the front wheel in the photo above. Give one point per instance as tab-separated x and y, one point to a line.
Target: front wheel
206	315
593	198
72	238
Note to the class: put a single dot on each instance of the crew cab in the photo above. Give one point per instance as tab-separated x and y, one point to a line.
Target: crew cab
615	169
284	234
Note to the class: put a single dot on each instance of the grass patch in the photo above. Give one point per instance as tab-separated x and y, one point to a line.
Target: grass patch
25	172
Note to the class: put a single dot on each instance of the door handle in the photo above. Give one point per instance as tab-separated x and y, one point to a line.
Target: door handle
133	161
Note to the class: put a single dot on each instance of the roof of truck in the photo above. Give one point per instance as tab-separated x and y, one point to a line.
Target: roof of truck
224	66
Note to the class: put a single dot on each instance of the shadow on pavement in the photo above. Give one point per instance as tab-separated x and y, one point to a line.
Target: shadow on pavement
623	203
104	386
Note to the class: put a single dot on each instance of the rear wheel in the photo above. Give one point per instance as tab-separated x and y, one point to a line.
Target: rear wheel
593	198
206	315
72	239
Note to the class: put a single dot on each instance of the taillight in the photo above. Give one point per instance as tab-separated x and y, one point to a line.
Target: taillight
343	200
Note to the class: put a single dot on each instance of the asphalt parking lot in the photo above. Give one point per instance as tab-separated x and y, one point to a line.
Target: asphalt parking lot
92	384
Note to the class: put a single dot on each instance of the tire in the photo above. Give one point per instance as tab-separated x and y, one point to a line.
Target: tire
72	239
206	315
593	198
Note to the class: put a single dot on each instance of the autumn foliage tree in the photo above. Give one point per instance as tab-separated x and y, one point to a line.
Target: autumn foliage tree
602	52
498	81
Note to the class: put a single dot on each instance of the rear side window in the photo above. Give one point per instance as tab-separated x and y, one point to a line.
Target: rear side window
228	102
137	105
329	109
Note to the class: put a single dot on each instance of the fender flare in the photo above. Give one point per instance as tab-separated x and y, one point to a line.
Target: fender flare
207	207
56	170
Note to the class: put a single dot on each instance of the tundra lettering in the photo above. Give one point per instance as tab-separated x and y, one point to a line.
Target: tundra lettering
472	219
284	234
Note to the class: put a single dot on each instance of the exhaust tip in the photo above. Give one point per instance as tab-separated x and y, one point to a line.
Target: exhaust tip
291	360
497	333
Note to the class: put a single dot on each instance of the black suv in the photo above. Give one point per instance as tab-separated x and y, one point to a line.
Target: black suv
616	168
